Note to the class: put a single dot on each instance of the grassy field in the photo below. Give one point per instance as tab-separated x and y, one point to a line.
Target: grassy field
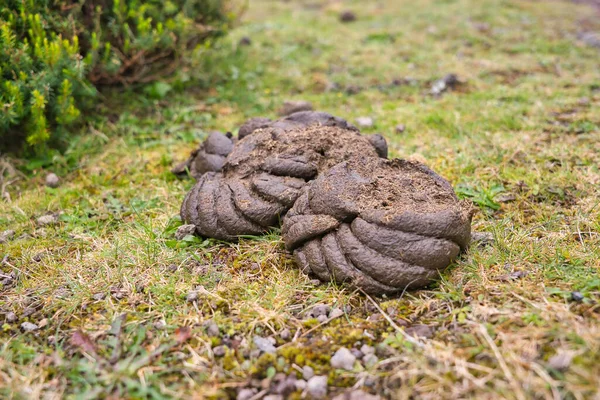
123	310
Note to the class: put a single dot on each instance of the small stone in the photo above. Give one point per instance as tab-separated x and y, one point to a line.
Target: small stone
420	330
561	361
185	230
6	236
369	360
246	394
322	318
400	128
273	397
172	268
449	81
482	239
290	107
264	345
162	324
315	282
300	384
99	296
29	327
364	122
577	296
286	385
347	16
245	41
285	334
356	353
307	372
366	349
11	317
356	395
343	359
318	310
219	351
46	220
336	312
192	296
317	386
212	330
52	180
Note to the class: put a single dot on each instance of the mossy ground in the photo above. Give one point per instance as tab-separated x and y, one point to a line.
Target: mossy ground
520	138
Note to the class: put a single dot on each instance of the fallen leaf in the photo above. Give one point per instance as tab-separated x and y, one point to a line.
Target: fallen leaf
182	334
83	341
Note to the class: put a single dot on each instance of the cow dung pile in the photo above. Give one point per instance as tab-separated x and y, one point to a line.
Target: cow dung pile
349	214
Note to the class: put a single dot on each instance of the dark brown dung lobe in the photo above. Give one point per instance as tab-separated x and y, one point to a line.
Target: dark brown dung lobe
266	171
380	225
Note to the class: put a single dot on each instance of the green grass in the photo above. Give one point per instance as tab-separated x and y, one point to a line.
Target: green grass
524	127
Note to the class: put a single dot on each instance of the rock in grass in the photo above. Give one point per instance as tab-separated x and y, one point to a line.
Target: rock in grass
347	16
6	236
370	359
46	220
356	395
343	359
246	394
364	122
577	296
29	327
285	334
52	180
212	330
185	230
316	387
219	351
307	372
11	317
264	345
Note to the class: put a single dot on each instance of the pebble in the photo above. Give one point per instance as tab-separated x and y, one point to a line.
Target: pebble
99	296
192	296
356	395
336	312
6	236
52	180
212	330
11	317
400	128
45	220
185	230
318	310
356	353
219	351
264	345
343	359
366	349
161	324
482	239
300	384
285	334
370	359
441	85
245	41
322	318
347	16
246	394
365	122
577	296
29	327
290	107
273	397
317	386
420	331
307	372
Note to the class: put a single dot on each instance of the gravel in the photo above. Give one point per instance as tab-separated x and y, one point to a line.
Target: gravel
577	296
482	239
11	317
246	394
370	359
348	16
212	330
317	386
400	128
318	310
285	334
343	359
336	312
185	230
192	296
366	349
219	351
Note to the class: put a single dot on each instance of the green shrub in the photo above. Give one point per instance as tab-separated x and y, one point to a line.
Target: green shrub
54	53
